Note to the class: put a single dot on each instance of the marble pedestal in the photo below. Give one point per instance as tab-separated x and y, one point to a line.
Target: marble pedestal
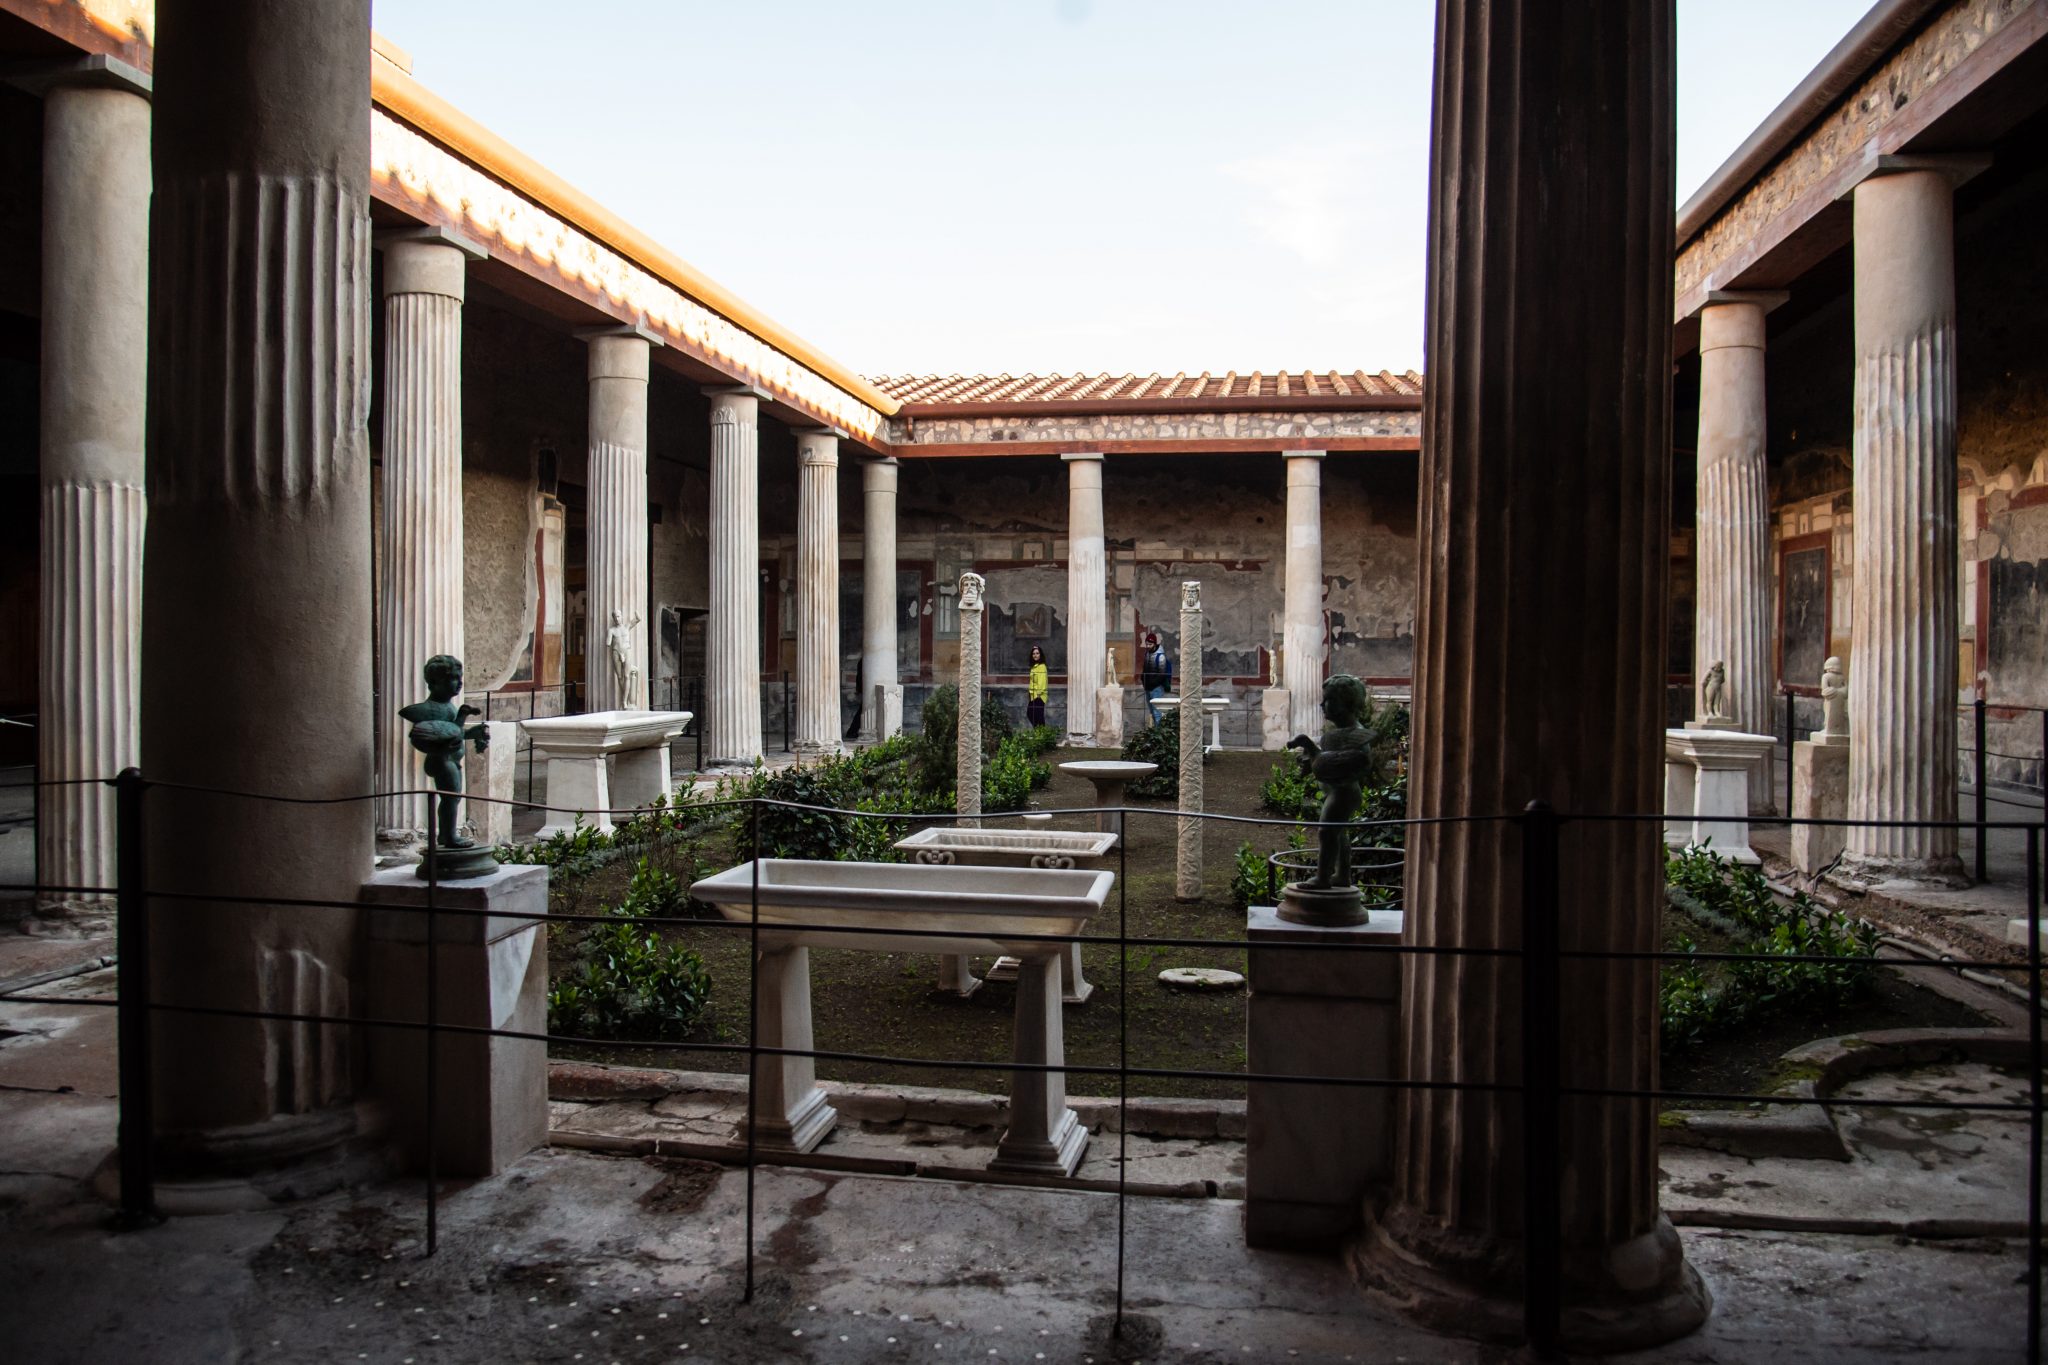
1110	775
489	774
1044	1137
1273	730
603	761
1706	789
888	710
1213	707
1314	1153
1109	717
1820	791
491	971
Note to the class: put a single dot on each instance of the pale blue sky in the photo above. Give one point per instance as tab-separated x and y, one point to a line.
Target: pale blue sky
1038	185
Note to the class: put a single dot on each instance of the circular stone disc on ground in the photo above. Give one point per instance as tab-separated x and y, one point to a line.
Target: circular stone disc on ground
1200	979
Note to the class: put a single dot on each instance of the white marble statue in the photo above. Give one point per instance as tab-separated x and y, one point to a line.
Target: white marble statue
1834	699
971	585
1714	693
1109	676
625	675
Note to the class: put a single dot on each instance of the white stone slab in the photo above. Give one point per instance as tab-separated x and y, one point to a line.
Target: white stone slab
603	761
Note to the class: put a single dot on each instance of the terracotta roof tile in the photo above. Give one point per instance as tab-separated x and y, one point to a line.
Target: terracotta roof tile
1116	388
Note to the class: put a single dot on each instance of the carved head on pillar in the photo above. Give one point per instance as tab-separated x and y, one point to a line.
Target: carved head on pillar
971	585
1191	594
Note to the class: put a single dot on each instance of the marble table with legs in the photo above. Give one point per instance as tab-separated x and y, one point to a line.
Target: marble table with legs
1214	706
603	761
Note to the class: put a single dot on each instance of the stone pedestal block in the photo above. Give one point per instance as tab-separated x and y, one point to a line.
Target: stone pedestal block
888	706
603	761
491	968
1314	1152
1820	791
1109	717
1716	814
1273	731
489	774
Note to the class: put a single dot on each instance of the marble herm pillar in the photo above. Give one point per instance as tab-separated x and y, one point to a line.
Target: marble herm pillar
817	594
1902	678
882	707
732	639
1539	665
1734	518
1087	589
94	379
616	652
419	596
956	971
1303	607
256	572
1187	859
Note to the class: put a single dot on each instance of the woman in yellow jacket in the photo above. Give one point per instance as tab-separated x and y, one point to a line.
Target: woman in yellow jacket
1035	689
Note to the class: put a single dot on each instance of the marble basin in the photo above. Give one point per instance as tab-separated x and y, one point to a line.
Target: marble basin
604	732
979	908
603	761
1109	776
1007	847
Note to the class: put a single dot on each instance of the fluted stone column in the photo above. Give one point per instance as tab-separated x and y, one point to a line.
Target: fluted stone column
1303	606
881	711
1733	622
419	596
1087	594
732	639
95	354
1903	606
1187	857
1539	661
817	594
617	520
256	582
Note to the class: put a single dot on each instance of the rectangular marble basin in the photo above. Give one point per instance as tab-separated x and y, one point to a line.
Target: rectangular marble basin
1008	847
978	908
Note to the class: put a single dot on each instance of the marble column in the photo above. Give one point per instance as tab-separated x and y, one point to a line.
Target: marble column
1539	663
1087	592
1903	600
95	335
956	971
732	639
1187	856
256	577
1734	593
881	711
817	594
1303	607
615	655
419	532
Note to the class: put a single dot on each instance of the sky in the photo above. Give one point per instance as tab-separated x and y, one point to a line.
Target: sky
1038	186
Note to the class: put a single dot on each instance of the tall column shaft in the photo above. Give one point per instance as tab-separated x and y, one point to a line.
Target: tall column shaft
1903	607
616	655
1187	856
1733	620
95	348
817	593
1303	607
732	640
256	583
878	666
420	515
1539	659
1087	592
967	743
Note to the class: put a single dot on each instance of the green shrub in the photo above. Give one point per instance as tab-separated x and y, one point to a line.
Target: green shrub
938	739
1252	882
629	982
1042	739
1157	743
1738	902
1291	789
1011	773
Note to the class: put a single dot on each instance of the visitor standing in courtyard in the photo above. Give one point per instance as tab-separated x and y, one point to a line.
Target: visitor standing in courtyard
1157	674
1035	688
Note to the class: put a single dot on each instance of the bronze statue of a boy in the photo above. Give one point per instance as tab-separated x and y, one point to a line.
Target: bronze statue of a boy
439	733
1343	763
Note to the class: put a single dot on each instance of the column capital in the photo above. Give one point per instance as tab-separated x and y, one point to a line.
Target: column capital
1304	454
618	353
431	233
1074	455
1959	167
878	476
818	447
620	331
96	72
1767	299
427	261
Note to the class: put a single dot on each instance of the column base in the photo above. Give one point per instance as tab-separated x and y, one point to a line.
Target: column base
1644	1292
236	1170
801	1130
1058	1154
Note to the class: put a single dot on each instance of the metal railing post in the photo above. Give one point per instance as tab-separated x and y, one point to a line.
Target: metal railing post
1789	702
786	716
1542	1205
137	1125
697	718
2034	1064
1982	768
433	871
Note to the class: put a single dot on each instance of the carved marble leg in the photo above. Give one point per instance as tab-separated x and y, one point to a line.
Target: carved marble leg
790	1112
1044	1137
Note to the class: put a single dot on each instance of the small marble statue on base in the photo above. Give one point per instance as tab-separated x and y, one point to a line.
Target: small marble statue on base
1343	763
1834	704
439	733
1714	694
625	676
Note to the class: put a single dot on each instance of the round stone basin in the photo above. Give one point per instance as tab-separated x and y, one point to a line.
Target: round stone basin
974	909
1100	770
